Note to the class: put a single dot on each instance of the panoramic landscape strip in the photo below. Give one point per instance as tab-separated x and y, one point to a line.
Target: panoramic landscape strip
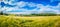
29	13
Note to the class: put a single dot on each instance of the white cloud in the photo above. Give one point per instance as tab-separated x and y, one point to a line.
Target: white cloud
31	4
47	8
6	9
39	7
11	2
5	1
21	4
57	11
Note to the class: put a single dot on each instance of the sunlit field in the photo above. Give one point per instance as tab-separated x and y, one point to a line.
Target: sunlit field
34	21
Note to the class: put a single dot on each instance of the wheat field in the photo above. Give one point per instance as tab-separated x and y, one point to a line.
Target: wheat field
34	21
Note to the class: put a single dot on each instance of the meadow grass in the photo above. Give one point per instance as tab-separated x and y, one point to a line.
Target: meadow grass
35	21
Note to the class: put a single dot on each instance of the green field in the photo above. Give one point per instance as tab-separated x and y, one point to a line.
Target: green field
34	21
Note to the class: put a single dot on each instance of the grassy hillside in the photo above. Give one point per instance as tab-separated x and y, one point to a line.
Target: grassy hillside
36	21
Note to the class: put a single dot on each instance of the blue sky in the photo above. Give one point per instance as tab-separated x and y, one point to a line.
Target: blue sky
30	6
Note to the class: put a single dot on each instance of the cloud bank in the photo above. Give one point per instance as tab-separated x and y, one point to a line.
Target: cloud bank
23	7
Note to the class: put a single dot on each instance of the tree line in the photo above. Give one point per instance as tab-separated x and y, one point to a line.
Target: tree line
33	14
